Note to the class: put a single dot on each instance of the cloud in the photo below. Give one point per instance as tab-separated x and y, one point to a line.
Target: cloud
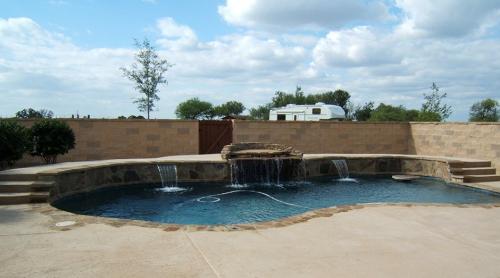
303	14
447	18
45	69
355	47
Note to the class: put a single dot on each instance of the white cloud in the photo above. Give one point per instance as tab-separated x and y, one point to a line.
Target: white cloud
447	18
45	69
358	46
305	14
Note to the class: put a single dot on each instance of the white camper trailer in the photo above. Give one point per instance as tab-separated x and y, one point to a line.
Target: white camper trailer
316	112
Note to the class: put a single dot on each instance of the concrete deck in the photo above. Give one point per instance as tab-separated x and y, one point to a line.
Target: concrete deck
373	241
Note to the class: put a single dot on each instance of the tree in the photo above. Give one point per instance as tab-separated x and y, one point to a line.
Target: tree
427	116
14	142
194	109
261	112
389	113
31	113
433	103
338	97
363	113
147	73
51	138
485	111
229	108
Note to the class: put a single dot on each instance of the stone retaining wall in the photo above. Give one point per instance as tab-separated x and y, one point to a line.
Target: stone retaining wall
327	137
468	140
114	139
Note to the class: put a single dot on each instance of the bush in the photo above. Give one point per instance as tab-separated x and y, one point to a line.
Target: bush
51	138
14	142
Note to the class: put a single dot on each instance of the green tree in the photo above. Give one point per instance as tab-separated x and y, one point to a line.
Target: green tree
229	108
31	113
385	113
147	73
51	138
338	97
427	116
363	113
14	142
261	112
194	109
433	103
485	111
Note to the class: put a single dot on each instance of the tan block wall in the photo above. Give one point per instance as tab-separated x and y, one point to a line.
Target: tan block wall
111	139
468	140
327	137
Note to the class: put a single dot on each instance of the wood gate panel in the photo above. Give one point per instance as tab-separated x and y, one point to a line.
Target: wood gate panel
214	135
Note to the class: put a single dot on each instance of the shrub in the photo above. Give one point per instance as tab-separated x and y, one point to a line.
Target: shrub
51	138
14	142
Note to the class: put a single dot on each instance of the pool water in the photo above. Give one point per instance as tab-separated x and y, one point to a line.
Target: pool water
212	203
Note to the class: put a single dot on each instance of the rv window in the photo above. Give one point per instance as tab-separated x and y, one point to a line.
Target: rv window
294	117
281	117
316	111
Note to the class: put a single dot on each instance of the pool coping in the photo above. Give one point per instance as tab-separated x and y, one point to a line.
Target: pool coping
58	215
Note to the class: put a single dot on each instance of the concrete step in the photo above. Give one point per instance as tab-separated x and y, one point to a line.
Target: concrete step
18	177
23	198
25	186
481	178
39	197
469	164
474	171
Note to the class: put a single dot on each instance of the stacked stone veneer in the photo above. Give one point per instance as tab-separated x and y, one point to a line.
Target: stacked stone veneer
468	140
113	139
89	179
381	166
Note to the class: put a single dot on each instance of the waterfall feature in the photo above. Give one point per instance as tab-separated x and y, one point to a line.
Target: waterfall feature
168	176
268	171
343	170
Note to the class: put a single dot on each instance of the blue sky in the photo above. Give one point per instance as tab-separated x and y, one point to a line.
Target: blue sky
65	55
112	23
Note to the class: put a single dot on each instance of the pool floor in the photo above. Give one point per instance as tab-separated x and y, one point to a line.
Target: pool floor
222	203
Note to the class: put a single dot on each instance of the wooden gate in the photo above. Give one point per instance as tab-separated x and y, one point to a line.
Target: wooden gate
214	135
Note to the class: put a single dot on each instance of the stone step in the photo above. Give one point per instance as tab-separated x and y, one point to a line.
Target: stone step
25	186
474	171
481	178
23	198
18	177
469	164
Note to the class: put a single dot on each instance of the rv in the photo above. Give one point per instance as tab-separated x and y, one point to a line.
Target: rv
316	112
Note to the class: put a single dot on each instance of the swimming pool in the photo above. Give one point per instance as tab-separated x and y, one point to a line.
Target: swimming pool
220	203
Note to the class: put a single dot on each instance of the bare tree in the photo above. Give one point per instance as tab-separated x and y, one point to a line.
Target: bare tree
147	73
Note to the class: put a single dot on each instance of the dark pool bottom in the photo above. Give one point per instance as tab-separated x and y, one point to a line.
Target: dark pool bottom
211	203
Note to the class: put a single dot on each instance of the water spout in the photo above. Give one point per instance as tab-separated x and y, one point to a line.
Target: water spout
168	176
343	170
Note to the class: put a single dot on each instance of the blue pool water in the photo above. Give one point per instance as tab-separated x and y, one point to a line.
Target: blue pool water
211	203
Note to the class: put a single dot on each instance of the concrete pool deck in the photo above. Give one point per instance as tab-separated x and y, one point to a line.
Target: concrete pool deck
368	241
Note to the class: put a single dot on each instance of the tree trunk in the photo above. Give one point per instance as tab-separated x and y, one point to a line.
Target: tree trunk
147	98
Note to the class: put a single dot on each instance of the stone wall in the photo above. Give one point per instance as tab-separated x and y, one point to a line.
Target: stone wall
113	139
327	137
467	140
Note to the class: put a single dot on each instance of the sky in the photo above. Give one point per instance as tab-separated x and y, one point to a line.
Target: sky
66	55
